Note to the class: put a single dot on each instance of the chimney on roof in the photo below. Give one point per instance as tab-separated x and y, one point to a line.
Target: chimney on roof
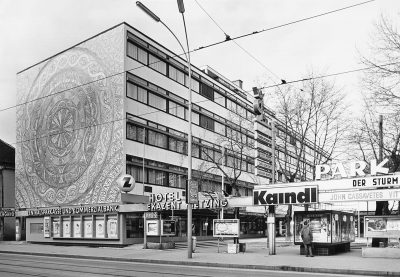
239	83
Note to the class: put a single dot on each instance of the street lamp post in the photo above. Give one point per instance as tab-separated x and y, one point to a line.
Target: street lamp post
187	55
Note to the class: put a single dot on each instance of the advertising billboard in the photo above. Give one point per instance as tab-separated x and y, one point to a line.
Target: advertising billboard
226	228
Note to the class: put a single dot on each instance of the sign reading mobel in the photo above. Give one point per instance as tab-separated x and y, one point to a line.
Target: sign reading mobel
285	195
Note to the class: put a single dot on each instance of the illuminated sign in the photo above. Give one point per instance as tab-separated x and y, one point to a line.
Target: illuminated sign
362	195
7	212
173	201
355	169
73	210
285	195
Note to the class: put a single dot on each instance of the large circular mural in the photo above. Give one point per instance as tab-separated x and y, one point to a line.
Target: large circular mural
67	127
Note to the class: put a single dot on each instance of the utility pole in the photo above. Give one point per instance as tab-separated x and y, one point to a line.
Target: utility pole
380	138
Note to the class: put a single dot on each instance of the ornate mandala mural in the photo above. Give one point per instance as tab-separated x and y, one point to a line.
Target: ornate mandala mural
70	128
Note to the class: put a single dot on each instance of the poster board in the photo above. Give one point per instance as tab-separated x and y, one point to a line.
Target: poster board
112	227
46	226
153	227
226	228
56	227
168	228
382	226
88	227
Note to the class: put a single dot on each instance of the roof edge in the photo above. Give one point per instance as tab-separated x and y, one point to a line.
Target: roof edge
122	23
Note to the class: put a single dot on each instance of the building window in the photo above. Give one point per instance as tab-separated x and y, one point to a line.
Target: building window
136	172
137	93
134	132
177	145
195	118
219	99
176	109
157	64
156	177
195	85
176	180
219	128
196	151
157	102
176	75
206	122
207	91
137	53
36	228
157	139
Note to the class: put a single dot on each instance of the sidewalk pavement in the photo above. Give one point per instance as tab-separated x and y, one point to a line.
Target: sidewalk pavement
287	257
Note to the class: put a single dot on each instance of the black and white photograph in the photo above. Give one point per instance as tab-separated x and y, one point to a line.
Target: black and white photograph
199	138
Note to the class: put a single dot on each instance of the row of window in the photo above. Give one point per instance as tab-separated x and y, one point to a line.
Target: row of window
162	174
154	134
157	60
156	97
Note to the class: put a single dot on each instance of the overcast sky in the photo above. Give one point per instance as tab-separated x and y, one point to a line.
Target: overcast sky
33	30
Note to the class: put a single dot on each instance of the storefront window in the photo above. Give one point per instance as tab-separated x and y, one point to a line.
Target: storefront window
134	226
36	228
88	226
100	224
112	226
76	227
56	227
66	227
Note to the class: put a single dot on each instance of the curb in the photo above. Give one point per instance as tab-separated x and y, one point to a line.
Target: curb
218	265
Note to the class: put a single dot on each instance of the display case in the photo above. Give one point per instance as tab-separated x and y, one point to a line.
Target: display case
327	226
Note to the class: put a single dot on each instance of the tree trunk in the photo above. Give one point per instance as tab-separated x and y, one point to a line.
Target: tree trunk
288	217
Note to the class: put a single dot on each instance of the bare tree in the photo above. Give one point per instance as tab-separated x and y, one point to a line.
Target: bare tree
381	84
234	155
311	123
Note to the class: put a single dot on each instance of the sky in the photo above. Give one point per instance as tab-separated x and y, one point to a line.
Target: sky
33	30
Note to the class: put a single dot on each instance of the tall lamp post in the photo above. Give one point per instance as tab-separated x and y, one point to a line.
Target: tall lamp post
181	8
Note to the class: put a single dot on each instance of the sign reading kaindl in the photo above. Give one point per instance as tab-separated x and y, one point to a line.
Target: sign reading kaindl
285	195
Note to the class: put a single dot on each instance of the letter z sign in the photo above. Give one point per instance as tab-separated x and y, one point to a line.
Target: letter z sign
286	195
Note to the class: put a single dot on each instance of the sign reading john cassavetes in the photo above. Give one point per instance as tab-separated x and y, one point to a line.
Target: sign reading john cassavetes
285	195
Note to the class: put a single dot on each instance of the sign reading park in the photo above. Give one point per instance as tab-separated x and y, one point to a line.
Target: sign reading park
278	195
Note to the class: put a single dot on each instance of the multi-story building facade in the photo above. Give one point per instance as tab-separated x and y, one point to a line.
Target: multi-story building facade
116	104
7	188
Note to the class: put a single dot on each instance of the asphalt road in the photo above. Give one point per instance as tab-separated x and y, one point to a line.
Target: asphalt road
14	265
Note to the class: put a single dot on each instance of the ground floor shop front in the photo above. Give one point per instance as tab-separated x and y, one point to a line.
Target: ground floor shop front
120	224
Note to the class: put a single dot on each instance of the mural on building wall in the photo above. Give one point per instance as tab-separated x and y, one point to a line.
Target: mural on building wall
70	126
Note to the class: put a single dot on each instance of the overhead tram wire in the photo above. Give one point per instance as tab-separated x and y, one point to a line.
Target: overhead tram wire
206	100
284	25
195	50
328	75
228	38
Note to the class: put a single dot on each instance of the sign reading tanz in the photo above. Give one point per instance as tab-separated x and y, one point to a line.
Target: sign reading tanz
285	195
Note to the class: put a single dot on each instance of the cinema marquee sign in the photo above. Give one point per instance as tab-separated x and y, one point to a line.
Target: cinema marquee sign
285	195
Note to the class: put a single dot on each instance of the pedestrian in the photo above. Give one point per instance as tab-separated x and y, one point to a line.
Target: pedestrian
306	236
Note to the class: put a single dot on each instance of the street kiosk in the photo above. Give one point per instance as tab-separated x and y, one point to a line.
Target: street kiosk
332	231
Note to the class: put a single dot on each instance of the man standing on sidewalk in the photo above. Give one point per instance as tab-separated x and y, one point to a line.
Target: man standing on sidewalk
306	236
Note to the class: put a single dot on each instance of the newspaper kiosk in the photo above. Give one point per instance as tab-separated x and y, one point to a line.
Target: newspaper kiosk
332	231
